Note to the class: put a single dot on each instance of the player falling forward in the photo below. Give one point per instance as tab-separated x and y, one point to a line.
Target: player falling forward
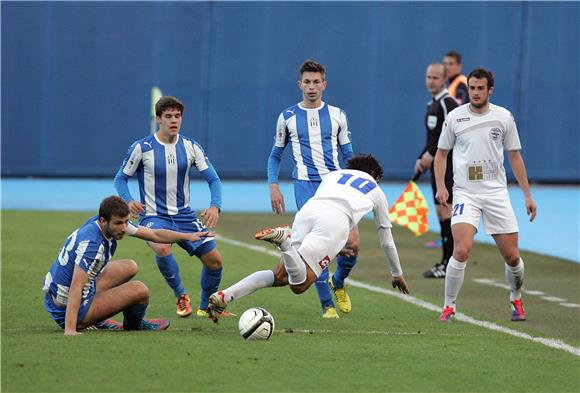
320	230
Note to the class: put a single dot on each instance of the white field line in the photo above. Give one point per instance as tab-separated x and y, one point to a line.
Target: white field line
549	342
542	295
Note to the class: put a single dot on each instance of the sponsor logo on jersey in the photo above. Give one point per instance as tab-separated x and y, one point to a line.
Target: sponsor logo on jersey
148	143
462	119
323	263
495	133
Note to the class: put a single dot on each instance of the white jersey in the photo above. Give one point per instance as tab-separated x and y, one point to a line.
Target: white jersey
355	193
314	135
478	142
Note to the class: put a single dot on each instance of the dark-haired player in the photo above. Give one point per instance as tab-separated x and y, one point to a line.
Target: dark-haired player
320	230
83	287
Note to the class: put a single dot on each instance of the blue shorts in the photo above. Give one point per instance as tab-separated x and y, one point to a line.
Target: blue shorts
58	313
183	223
304	190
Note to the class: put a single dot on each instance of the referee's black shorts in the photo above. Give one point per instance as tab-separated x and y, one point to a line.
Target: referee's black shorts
448	179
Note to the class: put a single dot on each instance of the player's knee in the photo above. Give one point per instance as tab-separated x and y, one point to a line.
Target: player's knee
513	259
280	278
131	267
213	263
162	250
140	291
298	289
461	252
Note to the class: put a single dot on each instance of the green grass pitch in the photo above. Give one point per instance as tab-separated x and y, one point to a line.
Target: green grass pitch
384	345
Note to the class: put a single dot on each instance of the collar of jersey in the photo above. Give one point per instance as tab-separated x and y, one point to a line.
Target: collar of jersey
311	109
166	144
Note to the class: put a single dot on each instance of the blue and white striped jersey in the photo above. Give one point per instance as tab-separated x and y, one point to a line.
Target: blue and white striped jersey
163	172
314	135
88	248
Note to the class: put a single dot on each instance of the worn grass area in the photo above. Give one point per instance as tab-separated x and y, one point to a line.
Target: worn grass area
383	345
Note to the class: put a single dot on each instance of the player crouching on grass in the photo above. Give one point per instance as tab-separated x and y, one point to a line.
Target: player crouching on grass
320	231
81	294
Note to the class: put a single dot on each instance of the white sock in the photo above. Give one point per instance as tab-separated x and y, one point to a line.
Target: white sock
453	281
285	245
294	265
249	285
515	277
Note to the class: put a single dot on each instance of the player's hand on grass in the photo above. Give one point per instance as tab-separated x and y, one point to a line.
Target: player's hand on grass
135	208
401	284
71	332
210	217
276	199
531	208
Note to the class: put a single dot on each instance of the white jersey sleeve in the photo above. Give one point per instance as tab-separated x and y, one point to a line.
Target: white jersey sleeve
133	159
281	131
447	137
512	138
381	209
344	132
131	229
196	154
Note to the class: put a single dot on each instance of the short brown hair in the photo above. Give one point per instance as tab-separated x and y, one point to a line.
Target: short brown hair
481	73
113	206
312	66
455	55
168	102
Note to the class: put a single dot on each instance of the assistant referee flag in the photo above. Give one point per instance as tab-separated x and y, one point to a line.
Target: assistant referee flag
411	210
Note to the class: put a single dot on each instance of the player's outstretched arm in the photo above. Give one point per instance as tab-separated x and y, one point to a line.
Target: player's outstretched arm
168	236
390	251
519	168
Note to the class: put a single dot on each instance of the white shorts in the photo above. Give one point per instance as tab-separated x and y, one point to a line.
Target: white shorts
496	209
319	233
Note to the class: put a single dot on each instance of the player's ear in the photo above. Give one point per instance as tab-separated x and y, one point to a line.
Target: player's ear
490	91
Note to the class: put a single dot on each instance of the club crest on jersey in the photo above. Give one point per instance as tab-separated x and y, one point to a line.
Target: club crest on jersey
313	122
323	263
495	133
171	159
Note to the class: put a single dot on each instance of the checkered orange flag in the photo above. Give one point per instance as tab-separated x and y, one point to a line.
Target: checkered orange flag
411	210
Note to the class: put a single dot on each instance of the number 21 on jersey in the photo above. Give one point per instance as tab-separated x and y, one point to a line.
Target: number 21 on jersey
358	183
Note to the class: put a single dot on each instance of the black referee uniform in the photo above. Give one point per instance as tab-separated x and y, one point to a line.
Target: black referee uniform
437	110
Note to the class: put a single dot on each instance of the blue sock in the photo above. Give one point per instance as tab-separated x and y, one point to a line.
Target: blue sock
323	290
133	315
343	267
170	269
210	282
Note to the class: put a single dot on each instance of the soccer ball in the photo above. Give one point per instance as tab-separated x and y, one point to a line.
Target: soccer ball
256	324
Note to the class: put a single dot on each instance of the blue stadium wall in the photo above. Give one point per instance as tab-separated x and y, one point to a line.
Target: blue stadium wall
77	77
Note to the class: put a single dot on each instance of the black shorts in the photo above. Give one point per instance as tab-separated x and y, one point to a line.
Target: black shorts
448	179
